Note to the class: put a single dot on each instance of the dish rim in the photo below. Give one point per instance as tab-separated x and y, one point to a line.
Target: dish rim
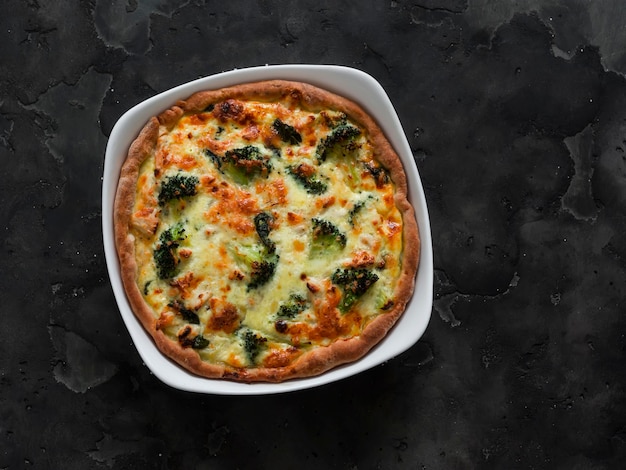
346	81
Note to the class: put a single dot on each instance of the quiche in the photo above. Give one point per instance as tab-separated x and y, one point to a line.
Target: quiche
264	232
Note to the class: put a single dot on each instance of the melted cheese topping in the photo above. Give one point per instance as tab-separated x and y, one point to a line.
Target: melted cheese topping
305	173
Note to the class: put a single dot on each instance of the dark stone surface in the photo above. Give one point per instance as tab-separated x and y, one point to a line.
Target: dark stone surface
516	115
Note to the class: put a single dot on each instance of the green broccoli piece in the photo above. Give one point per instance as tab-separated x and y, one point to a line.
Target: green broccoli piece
199	342
338	136
356	209
248	254
176	232
244	164
214	158
326	237
354	282
259	262
241	164
262	272
262	224
305	175
288	310
164	255
195	342
379	174
188	315
252	344
293	306
286	132
177	187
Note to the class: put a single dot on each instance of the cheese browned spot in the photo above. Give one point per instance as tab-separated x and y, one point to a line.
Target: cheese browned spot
288	246
224	317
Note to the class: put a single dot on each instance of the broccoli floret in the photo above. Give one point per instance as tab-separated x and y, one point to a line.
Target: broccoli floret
188	315
165	256
293	306
305	175
339	135
248	254
244	164
326	237
288	310
199	342
259	262
214	158
354	211
379	174
262	224
354	282
252	344
286	132
165	261
244	155
177	187
187	341
261	273
176	233
241	164
358	206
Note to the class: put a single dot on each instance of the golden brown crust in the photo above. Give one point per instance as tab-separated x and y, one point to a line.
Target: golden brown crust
317	360
141	149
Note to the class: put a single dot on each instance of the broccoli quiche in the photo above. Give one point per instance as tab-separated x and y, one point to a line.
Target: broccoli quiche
264	232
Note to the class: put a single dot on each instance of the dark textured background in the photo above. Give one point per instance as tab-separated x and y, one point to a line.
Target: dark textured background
516	115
